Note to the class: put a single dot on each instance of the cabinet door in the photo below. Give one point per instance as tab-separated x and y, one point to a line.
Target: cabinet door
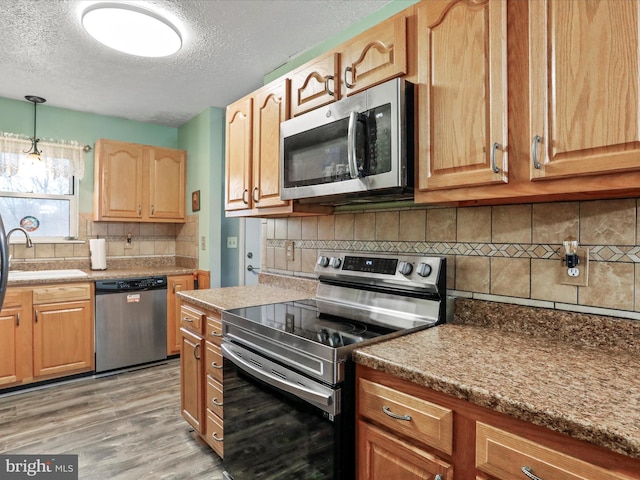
63	338
584	73
463	98
269	109
118	170
192	379
177	283
239	146
382	456
315	84
15	338
376	55
167	183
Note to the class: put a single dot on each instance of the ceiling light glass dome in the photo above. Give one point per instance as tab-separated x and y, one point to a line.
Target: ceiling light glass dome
131	29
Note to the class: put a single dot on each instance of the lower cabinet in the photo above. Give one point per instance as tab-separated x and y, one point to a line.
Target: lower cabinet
412	432
46	332
201	373
176	283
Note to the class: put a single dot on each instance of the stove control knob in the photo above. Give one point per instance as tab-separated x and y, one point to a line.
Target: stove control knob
335	262
424	270
323	261
405	268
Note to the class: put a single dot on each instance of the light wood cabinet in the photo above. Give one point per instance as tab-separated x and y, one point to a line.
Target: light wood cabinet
437	434
176	283
315	84
462	55
201	373
63	330
584	87
139	183
253	155
16	360
376	55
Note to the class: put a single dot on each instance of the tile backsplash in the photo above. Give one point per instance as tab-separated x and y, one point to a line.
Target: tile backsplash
152	244
506	253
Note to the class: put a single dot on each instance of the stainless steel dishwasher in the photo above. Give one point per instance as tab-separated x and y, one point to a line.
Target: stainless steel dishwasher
131	322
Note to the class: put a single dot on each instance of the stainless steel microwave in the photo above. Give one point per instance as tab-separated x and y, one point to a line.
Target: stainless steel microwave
359	146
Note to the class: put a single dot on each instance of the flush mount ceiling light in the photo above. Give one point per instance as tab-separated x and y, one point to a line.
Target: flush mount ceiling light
131	29
33	154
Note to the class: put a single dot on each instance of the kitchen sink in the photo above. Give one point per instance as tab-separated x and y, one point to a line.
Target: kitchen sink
45	274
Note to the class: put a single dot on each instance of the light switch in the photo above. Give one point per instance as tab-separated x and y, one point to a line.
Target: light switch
289	247
232	242
203	242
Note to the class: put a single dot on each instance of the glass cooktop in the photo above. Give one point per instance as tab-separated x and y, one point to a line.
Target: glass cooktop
301	318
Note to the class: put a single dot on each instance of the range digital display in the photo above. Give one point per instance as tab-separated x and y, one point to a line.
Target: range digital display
386	266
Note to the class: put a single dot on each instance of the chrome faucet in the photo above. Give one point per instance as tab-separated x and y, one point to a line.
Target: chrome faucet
28	243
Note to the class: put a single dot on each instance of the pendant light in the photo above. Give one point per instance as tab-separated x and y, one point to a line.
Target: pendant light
33	154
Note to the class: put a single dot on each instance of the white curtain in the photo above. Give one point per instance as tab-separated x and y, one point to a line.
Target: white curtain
60	158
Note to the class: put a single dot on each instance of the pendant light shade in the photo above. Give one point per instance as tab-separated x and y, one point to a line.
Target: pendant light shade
33	154
131	29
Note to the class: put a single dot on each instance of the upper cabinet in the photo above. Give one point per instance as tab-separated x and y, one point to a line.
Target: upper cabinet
462	59
315	84
584	75
139	183
253	155
376	55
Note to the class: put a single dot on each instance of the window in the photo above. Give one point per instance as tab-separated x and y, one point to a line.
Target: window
41	197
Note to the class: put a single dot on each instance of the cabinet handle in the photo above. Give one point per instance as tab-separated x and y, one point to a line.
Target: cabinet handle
215	365
438	477
406	418
326	85
529	473
187	319
246	202
214	435
253	195
214	334
18	319
139	209
173	287
216	402
534	151
36	316
494	167
346	82
194	352
153	210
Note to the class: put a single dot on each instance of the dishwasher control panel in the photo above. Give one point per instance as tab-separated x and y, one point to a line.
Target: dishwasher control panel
131	284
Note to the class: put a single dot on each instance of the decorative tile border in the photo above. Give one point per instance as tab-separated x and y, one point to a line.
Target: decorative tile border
598	253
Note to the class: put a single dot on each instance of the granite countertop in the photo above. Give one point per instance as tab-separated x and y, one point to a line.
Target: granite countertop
589	392
94	275
271	289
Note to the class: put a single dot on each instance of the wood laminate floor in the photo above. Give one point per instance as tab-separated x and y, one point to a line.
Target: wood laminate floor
126	426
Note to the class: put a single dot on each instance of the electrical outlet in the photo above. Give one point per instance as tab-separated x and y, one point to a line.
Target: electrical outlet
578	276
203	242
232	242
289	246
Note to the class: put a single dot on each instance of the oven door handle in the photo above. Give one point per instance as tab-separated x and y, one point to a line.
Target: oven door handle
293	388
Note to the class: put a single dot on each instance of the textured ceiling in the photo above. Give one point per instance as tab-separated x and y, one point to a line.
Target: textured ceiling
228	46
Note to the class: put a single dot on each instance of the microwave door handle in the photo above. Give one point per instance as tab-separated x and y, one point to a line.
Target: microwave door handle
351	145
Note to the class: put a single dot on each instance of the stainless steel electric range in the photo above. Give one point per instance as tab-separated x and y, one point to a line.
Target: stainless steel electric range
289	383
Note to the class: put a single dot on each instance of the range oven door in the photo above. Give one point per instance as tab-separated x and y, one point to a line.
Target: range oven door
277	423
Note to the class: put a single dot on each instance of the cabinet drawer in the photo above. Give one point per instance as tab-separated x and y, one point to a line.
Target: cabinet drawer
191	318
504	455
13	298
214	433
214	330
214	396
61	293
423	421
213	357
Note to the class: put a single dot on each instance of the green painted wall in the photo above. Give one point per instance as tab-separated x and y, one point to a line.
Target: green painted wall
63	124
376	17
